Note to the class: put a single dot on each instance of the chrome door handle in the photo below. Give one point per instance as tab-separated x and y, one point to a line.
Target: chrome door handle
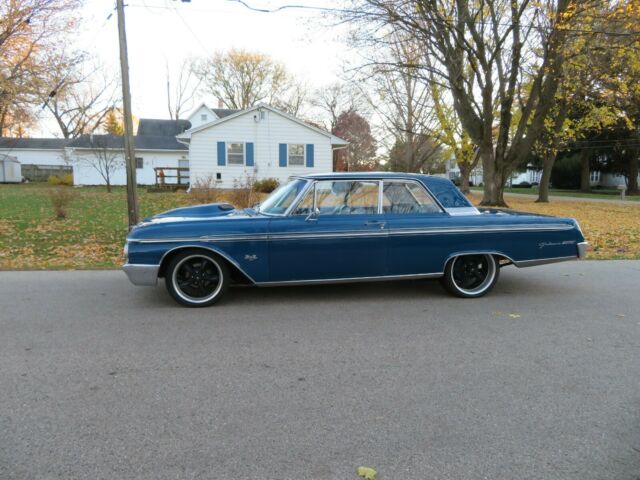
374	223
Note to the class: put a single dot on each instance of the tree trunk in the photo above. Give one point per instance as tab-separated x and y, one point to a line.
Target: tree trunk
585	172
632	187
493	178
543	190
465	172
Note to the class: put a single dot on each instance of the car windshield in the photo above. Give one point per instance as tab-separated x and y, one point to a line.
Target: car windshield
281	199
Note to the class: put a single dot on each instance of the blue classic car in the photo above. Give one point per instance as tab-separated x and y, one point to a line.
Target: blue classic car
344	227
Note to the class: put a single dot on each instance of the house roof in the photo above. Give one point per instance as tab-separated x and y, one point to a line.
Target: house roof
33	143
187	134
141	142
224	112
218	112
155	127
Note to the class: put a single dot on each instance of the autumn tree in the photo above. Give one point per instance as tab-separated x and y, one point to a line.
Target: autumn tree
241	79
361	151
182	87
482	52
113	123
31	32
336	98
84	95
400	98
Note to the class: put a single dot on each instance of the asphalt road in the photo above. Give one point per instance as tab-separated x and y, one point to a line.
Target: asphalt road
539	380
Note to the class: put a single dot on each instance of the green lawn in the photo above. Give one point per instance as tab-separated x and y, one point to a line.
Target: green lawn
604	193
91	236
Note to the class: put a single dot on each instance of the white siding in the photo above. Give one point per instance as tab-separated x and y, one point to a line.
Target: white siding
196	117
266	135
85	174
36	157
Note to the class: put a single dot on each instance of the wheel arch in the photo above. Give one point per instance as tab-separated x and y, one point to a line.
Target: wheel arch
499	256
237	273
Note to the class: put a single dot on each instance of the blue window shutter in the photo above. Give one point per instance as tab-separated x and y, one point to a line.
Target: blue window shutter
282	154
222	152
249	154
310	154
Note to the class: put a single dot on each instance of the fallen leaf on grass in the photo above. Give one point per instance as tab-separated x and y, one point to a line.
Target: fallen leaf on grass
366	473
514	315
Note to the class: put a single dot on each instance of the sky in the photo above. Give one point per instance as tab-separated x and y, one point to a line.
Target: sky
167	31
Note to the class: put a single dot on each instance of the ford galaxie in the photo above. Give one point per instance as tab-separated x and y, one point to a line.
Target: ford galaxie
344	227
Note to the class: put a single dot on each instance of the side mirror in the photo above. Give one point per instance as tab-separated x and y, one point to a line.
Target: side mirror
313	215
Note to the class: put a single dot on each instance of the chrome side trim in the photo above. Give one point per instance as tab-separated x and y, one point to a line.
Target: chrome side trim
350	280
360	233
541	261
142	274
214	250
583	247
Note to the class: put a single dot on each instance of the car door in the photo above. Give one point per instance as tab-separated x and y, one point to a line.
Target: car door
412	217
336	232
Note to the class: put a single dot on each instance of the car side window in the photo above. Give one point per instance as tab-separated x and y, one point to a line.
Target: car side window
305	207
407	198
345	197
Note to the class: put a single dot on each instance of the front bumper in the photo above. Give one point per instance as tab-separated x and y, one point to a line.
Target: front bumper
142	274
582	250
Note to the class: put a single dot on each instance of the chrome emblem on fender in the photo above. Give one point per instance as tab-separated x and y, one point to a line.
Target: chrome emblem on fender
250	258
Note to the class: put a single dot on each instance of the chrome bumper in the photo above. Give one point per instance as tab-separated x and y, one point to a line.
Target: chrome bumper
142	274
582	250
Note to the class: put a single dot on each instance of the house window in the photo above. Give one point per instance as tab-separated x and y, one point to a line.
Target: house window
139	162
595	176
296	154
203	117
235	153
218	176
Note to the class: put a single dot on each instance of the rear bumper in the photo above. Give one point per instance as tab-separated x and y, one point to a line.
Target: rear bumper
142	274
582	250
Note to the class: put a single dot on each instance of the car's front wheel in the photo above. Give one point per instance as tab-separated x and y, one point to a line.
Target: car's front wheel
196	278
471	276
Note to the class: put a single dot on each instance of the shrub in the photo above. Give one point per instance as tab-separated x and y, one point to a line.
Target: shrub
66	180
60	199
566	172
205	190
266	185
244	192
522	185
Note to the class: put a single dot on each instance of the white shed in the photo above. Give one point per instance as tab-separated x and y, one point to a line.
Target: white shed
10	169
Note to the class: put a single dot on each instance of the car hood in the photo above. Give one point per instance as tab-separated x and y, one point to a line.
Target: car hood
209	210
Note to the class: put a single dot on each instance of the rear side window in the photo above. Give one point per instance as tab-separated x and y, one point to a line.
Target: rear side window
407	198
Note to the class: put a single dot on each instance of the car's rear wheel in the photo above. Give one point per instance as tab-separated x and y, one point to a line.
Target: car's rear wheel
471	276
196	278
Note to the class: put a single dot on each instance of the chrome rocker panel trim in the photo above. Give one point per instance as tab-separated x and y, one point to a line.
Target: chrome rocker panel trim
323	281
145	275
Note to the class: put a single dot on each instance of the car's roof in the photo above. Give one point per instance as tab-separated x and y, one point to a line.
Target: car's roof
355	175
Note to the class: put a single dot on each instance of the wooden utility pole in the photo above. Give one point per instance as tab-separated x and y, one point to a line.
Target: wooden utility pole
129	147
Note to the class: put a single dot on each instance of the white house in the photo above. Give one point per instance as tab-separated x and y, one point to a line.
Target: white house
156	148
261	142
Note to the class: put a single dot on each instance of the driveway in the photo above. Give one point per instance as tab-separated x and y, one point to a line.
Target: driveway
102	380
